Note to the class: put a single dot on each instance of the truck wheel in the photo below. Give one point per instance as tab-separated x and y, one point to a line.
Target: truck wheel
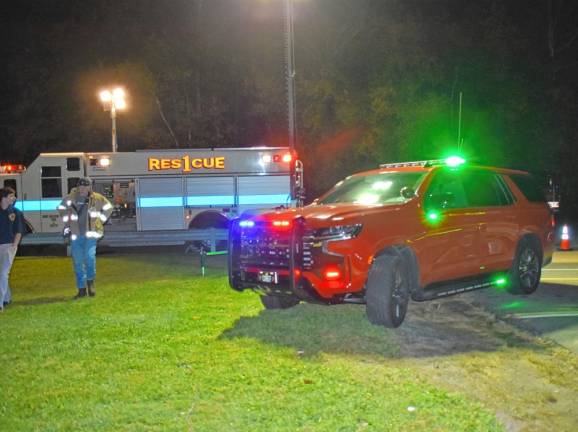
526	269
387	291
278	302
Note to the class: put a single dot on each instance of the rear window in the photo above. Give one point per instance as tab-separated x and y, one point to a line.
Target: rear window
529	187
483	189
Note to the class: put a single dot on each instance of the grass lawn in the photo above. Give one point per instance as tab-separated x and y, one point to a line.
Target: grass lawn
161	348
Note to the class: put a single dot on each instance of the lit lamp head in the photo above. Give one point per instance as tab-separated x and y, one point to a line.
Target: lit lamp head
105	96
113	99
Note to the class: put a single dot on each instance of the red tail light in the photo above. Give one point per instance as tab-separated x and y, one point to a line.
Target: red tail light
287	157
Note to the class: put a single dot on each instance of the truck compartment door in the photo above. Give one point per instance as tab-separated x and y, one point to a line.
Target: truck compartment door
263	191
160	204
210	192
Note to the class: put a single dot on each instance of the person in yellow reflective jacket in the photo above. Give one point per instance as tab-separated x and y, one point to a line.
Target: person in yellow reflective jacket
84	213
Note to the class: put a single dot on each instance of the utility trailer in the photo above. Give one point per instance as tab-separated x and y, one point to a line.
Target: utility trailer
160	197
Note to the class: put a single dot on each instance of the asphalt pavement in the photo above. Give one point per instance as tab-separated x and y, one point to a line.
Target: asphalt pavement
551	311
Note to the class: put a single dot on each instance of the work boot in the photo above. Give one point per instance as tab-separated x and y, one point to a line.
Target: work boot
90	286
81	293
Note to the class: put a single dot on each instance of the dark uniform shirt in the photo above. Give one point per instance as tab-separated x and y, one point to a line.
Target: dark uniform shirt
11	223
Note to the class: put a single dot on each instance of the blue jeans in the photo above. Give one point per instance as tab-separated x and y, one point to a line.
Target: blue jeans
7	253
84	258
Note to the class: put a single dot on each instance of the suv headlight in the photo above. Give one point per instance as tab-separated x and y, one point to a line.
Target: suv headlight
338	232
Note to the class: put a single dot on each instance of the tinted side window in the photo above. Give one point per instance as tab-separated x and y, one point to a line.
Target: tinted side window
73	164
446	191
529	187
51	188
484	190
51	182
51	171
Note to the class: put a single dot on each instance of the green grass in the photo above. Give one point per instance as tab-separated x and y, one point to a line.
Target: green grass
161	348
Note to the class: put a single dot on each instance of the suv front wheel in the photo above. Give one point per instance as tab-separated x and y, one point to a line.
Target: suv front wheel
387	291
526	269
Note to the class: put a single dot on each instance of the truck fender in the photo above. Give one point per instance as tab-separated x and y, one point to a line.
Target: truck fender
210	219
408	255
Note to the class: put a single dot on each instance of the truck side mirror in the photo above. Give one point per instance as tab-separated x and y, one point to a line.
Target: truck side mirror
407	192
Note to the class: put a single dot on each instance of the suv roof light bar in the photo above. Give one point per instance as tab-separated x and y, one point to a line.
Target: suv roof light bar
424	163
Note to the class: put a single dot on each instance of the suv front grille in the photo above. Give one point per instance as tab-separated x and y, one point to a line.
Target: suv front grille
266	248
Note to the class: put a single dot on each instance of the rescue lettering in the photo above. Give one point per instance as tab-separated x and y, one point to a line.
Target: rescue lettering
186	163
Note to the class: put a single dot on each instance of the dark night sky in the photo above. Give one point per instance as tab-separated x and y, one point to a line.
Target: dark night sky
375	79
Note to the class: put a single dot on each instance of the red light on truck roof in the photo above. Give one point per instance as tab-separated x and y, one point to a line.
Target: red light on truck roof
285	158
12	168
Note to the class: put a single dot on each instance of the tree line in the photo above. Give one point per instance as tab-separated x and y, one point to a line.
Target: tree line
377	81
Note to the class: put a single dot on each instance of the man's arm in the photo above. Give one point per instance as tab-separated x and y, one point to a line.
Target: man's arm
63	206
18	229
107	208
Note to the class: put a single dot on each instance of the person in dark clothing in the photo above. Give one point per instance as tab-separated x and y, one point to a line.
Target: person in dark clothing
11	230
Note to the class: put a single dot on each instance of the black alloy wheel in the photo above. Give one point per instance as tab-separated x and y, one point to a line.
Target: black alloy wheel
526	269
387	291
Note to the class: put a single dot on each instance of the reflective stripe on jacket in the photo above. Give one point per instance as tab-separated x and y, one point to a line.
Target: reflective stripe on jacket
98	211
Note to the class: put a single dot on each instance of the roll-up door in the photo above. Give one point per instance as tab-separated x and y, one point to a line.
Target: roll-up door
160	204
210	192
263	191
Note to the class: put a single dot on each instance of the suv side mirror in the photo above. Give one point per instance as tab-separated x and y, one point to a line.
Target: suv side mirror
407	192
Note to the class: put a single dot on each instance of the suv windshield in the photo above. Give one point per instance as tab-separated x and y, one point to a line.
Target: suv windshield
379	188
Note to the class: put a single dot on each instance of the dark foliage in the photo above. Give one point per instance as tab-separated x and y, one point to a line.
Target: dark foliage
376	80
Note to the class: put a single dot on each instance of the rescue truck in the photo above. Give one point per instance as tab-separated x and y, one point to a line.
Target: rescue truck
160	197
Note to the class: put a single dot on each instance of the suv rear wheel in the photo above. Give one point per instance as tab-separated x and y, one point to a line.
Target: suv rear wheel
278	302
387	291
526	268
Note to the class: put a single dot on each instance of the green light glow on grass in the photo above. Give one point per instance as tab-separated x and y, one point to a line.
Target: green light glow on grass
454	161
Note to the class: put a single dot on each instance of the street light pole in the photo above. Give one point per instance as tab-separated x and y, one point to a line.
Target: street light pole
113	117
290	72
113	100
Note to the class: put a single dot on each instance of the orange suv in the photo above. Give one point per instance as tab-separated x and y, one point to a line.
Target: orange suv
423	230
